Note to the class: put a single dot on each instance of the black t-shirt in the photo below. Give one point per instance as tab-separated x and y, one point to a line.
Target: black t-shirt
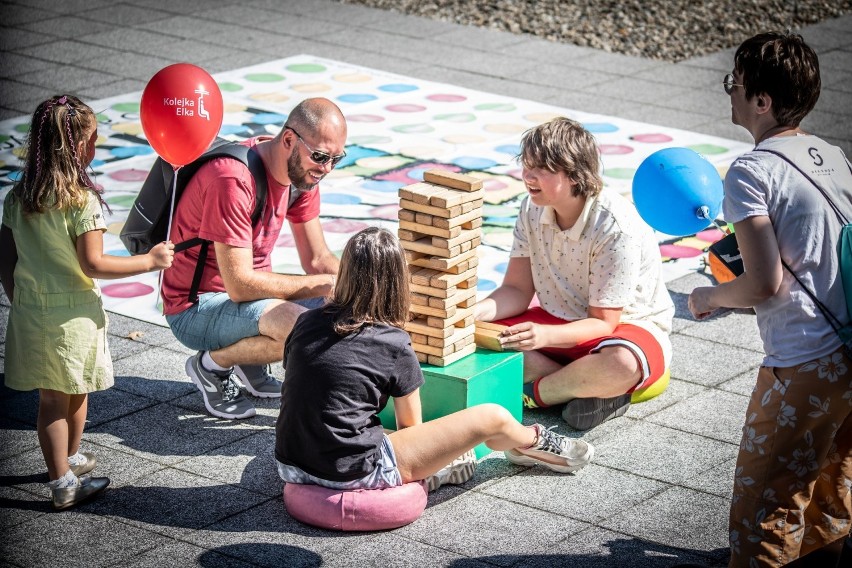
334	388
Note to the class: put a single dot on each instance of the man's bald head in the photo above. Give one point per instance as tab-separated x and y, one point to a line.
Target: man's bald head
313	115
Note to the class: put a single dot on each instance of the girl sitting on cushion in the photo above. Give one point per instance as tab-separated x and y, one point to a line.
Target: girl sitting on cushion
344	360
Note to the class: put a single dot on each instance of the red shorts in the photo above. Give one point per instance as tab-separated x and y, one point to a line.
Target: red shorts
639	340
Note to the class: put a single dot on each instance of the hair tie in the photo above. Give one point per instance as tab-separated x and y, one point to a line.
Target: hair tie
63	99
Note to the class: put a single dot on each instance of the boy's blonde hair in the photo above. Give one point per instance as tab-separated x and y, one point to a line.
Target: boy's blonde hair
54	175
563	145
372	285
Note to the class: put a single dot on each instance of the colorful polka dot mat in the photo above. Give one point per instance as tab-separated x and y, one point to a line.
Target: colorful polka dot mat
398	127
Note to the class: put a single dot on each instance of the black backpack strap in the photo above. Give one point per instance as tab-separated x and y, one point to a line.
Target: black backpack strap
253	161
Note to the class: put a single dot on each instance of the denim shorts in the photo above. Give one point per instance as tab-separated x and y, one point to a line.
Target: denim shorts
215	321
385	475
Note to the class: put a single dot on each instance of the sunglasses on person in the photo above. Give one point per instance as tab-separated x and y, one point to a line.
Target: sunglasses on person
318	157
728	83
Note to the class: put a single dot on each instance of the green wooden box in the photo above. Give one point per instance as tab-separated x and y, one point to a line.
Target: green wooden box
485	376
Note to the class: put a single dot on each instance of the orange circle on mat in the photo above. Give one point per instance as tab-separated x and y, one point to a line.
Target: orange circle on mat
352	78
311	88
464	139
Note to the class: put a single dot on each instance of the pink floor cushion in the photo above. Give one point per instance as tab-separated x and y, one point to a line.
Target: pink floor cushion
356	509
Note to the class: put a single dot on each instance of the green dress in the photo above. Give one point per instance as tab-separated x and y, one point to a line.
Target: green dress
56	337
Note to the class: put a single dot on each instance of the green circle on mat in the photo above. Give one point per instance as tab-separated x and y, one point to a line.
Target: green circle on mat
230	87
264	77
370	139
23	127
125	107
456	117
497	107
306	68
413	128
101	117
121	200
708	149
620	173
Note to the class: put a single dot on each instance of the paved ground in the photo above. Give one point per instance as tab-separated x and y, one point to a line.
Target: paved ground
189	489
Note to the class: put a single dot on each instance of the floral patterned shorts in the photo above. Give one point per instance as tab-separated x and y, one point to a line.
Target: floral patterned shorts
794	470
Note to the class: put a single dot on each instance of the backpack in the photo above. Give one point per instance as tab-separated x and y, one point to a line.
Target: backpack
150	217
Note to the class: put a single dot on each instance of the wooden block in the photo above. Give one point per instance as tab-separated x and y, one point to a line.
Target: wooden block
468	302
406	215
430	291
472	224
451	198
444	361
422	276
421	192
452	179
457	220
431	350
419	338
469	283
471	205
446	280
462	343
466	322
469	245
420	326
422	357
420	299
424	245
423	218
487	335
436	211
418	227
411	236
433	312
462	237
460	315
459	333
453	300
415	258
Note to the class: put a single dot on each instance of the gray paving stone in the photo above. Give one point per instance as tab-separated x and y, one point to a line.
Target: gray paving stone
722	61
570	495
292	25
68	51
637	90
112	403
838	80
663	115
480	38
692	520
724	128
17	14
180	6
824	38
72	6
136	66
166	434
138	330
249	463
146	42
68	27
741	384
120	347
683	76
64	78
173	502
77	530
676	392
837	60
661	453
112	89
19	506
170	551
410	26
14	92
447	526
535	49
712	413
124	14
405	553
718	480
709	362
11	38
828	124
602	548
586	102
738	327
616	63
836	101
9	113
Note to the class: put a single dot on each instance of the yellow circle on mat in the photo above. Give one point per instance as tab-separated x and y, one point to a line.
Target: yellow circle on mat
464	139
311	87
233	107
656	389
539	117
503	128
352	78
380	162
132	128
423	152
273	97
115	228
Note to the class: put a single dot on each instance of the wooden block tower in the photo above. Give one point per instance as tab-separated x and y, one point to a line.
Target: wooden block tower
440	222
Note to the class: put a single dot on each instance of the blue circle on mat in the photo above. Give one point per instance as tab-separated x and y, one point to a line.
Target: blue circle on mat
512	149
118	252
97	163
501	267
130	151
231	129
398	88
502	219
341	199
474	163
381	185
269	118
15	176
600	127
486	285
357	98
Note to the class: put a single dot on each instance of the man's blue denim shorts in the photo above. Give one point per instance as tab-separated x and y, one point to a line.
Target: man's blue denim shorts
215	321
385	475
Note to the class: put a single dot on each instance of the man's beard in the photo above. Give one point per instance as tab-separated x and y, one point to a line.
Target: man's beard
298	175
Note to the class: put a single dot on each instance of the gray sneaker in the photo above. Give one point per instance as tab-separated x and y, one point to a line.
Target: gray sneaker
585	413
258	380
457	472
222	396
554	451
66	497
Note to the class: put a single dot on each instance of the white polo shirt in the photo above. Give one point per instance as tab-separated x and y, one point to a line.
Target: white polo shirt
608	259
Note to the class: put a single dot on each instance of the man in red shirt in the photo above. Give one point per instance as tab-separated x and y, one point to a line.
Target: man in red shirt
244	311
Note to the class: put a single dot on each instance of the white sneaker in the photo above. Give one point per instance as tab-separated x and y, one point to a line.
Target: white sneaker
554	451
457	472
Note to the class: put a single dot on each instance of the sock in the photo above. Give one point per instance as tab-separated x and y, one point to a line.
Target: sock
210	365
77	459
531	392
67	480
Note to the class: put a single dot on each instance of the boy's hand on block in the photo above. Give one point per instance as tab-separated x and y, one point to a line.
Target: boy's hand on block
487	335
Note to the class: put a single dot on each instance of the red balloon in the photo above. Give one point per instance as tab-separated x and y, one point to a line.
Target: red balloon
181	112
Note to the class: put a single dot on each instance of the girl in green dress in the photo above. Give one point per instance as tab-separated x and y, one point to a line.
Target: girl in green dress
51	249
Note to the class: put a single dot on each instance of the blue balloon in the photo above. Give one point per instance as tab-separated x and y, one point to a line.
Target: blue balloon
677	192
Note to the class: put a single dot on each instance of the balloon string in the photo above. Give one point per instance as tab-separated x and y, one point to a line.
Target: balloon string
168	236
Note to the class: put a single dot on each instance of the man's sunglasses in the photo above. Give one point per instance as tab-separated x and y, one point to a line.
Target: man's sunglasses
320	158
728	83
